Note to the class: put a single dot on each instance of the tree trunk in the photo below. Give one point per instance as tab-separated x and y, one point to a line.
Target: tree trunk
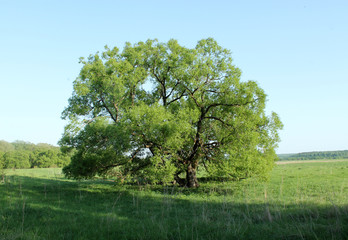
179	180
191	178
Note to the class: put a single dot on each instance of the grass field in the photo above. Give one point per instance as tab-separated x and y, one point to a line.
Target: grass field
301	201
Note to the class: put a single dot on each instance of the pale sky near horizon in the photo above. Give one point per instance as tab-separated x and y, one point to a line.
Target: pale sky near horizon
296	50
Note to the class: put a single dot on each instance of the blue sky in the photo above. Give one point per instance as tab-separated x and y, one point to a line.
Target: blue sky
296	50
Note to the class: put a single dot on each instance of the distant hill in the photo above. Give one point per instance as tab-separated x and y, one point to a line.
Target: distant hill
315	155
20	154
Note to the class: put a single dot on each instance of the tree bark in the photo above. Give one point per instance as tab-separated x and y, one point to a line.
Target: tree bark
191	177
179	180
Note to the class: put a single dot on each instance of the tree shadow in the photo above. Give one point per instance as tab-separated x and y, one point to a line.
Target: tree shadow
36	208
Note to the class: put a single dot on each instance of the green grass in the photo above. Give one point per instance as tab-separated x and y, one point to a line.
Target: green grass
301	201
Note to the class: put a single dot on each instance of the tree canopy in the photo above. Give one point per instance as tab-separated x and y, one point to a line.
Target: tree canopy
159	112
315	155
20	154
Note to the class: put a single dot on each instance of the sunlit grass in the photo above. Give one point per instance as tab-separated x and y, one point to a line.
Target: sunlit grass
301	201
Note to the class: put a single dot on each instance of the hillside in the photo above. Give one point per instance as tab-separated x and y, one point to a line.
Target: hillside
315	155
20	154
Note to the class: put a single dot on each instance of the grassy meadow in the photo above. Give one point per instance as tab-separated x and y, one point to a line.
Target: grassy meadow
301	201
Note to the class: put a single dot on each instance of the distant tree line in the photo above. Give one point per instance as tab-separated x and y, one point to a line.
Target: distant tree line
315	155
20	154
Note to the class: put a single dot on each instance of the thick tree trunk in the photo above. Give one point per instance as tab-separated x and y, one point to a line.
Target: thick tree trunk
191	177
179	180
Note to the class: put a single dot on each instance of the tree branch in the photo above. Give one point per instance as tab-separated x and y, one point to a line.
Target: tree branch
177	83
191	94
218	119
230	104
212	144
175	99
107	109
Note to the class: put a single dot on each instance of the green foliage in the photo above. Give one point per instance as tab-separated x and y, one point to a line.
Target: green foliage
315	155
157	111
17	159
2	164
5	146
21	154
1	159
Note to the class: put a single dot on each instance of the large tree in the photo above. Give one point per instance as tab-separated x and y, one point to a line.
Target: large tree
158	112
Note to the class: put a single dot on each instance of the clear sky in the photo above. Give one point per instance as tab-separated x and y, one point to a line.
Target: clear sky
296	50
